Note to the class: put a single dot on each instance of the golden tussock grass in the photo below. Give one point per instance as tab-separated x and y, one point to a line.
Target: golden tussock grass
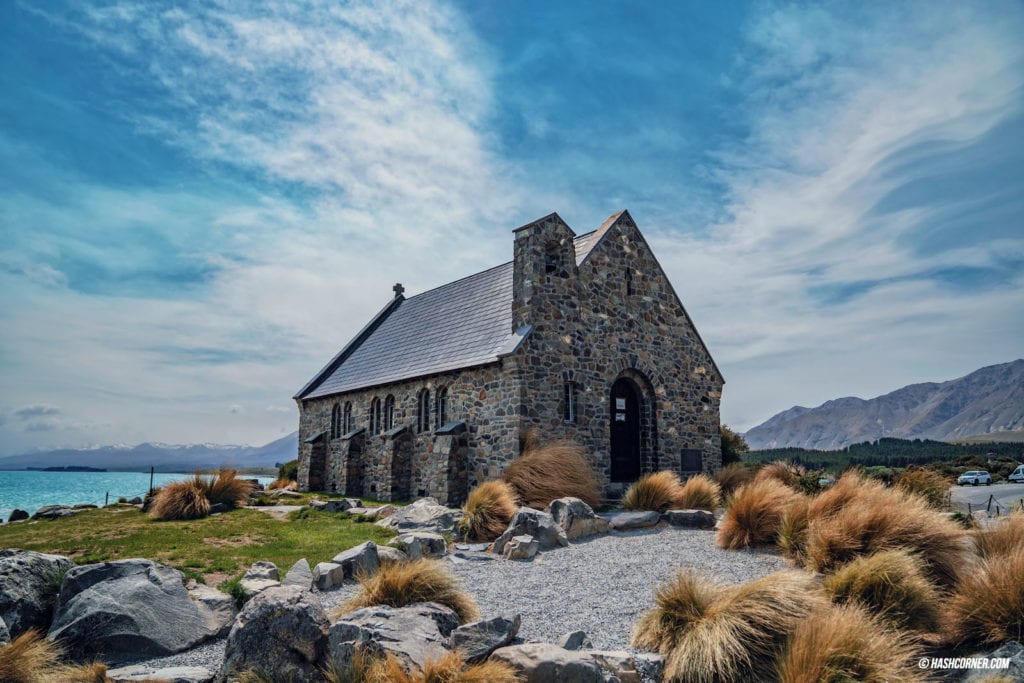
225	488
753	515
844	643
712	632
1004	536
927	483
656	491
851	486
286	484
733	476
30	658
488	511
783	472
892	586
700	492
988	606
405	583
448	669
555	470
792	537
872	518
180	500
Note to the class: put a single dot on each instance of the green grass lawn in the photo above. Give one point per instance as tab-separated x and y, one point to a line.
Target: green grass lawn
211	550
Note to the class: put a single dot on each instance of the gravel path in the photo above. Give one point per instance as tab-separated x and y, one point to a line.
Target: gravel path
600	585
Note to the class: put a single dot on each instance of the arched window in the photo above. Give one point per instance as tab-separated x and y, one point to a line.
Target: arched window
554	263
389	413
335	421
629	282
346	418
423	411
375	416
569	401
441	411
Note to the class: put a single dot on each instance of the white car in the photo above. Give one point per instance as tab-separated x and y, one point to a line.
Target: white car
1017	475
975	477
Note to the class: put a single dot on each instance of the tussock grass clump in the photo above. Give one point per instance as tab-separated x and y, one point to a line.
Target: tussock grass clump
285	484
450	668
890	585
700	492
30	658
927	483
711	632
488	511
879	519
405	583
844	643
656	491
988	606
754	514
1002	538
555	470
733	476
851	486
180	500
792	538
782	471
225	488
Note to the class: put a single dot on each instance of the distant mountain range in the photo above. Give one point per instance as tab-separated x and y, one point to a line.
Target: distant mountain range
162	457
981	405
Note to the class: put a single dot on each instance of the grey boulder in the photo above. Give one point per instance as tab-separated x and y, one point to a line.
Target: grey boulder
414	634
530	522
259	577
575	640
426	514
55	511
693	519
299	575
343	505
327	575
17	516
281	634
29	582
546	663
171	674
523	547
5	635
479	639
617	665
217	609
393	555
1012	651
360	560
640	519
420	544
127	607
576	518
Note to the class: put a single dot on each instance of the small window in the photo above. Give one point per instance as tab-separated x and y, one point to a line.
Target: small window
423	411
389	413
553	262
375	416
346	418
569	402
441	412
629	282
335	421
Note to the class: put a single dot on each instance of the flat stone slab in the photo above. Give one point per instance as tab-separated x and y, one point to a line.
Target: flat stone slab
172	674
640	519
693	519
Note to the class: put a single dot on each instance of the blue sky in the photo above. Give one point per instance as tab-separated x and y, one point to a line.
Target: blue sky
201	202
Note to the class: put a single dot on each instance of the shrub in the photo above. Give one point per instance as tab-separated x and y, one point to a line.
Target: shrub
405	583
656	491
731	477
710	632
839	644
927	483
1002	538
988	606
555	470
451	668
809	483
892	586
754	514
700	492
733	446
225	489
180	500
286	484
784	472
488	511
793	527
30	658
288	471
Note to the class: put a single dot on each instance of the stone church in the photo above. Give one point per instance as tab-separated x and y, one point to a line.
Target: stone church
579	336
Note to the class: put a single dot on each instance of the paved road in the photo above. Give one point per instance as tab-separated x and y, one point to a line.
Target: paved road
1007	495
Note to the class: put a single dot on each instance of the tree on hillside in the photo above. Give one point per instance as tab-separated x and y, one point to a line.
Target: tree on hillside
733	446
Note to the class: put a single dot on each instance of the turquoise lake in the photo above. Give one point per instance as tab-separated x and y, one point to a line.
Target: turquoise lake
30	491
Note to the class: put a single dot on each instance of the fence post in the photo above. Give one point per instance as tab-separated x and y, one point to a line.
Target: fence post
106	499
151	468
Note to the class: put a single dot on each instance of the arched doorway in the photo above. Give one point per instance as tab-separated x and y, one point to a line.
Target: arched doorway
625	430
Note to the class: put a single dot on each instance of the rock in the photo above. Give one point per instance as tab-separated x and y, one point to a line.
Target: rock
172	674
624	521
343	505
649	665
523	547
360	560
530	522
478	640
84	506
694	519
423	515
388	554
29	583
259	577
386	511
575	640
415	634
127	607
465	556
217	609
5	635
218	508
546	663
54	512
299	575
420	544
618	664
473	547
17	516
1011	650
135	501
318	505
280	634
327	575
577	518
255	485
